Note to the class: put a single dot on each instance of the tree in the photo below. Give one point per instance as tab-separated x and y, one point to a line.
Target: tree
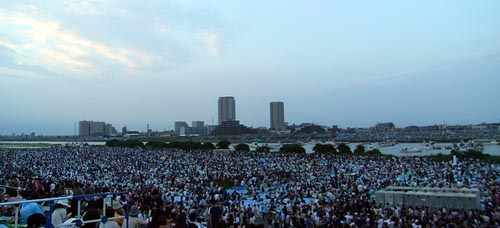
132	143
263	149
114	142
190	146
324	149
360	150
224	144
292	148
344	149
374	152
156	145
242	147
174	145
208	146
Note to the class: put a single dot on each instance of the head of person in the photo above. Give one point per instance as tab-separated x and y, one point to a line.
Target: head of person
110	212
34	195
160	222
144	209
134	211
181	219
35	221
118	207
61	204
155	193
91	214
192	217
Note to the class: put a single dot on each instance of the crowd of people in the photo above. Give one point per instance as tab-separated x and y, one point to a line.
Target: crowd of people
242	189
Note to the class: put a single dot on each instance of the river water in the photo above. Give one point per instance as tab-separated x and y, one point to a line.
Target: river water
393	150
396	149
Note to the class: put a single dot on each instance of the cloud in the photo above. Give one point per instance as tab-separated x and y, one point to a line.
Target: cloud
83	38
211	41
59	45
9	64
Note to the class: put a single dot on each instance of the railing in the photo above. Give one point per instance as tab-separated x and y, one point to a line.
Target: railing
79	223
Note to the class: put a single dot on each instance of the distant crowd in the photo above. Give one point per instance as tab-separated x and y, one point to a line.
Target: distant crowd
239	189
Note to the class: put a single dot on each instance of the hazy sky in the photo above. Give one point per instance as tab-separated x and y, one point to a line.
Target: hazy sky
350	63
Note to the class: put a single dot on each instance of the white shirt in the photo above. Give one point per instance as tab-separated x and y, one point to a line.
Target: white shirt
58	216
108	224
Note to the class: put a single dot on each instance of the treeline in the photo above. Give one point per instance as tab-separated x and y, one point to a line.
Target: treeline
186	146
344	149
341	149
466	155
125	143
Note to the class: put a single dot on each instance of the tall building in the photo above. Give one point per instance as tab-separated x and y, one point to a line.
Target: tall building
84	128
227	109
197	124
109	130
277	116
181	128
198	128
95	128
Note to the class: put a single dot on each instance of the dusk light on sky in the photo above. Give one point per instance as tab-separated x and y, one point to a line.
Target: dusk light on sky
346	63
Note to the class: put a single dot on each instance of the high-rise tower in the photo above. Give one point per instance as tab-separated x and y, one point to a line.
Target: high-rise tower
227	109
277	116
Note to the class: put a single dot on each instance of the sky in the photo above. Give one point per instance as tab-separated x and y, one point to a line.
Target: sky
345	63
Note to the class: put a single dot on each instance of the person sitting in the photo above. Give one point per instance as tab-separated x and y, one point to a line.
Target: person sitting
118	209
28	209
109	223
133	220
35	220
59	215
91	214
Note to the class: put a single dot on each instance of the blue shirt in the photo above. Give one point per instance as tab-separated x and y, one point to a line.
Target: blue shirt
28	209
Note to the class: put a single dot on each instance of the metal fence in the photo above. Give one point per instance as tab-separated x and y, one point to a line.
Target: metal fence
78	222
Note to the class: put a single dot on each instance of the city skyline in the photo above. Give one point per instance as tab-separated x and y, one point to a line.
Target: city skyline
332	62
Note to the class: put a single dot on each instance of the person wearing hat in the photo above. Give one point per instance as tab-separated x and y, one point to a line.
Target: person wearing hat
133	220
118	208
59	215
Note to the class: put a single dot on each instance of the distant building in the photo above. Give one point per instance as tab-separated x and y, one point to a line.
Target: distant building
124	130
334	129
277	116
109	130
197	124
181	128
232	127
95	129
310	129
198	128
384	127
210	129
84	128
227	109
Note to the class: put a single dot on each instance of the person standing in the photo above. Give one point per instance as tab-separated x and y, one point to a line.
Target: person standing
215	214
